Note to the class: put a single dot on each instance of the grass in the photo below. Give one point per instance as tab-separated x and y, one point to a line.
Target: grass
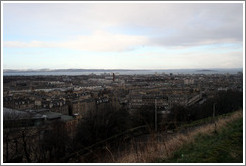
223	146
199	145
203	121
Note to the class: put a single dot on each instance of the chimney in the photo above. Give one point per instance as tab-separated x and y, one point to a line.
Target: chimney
113	77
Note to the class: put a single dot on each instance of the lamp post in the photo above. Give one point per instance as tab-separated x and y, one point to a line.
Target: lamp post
155	115
214	117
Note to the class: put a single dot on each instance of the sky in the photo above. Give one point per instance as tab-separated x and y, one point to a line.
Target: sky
122	35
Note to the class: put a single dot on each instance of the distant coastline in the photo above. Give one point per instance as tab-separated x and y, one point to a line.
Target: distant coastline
68	70
115	70
206	70
9	72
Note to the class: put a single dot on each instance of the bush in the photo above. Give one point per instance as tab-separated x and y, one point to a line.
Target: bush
144	116
101	124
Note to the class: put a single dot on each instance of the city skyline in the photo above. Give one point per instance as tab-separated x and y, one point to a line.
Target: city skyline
122	35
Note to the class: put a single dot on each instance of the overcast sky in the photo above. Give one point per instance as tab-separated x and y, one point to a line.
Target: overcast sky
122	35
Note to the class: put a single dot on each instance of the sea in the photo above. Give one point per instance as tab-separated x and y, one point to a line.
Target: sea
125	72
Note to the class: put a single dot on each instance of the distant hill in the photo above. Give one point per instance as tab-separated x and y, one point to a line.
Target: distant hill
46	71
68	70
206	70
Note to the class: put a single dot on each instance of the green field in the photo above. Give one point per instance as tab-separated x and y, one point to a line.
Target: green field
223	146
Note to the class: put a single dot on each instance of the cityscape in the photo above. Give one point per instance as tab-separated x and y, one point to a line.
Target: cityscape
119	92
35	103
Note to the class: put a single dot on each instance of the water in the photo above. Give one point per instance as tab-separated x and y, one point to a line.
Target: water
125	72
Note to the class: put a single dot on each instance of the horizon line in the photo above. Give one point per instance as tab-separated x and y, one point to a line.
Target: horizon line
120	68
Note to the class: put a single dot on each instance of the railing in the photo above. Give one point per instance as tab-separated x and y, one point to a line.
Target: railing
194	100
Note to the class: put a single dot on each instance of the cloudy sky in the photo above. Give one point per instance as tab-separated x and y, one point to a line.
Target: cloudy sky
122	35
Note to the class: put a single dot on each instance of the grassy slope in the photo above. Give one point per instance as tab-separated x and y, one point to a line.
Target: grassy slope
224	146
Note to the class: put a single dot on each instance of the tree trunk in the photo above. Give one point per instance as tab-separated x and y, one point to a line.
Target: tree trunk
25	147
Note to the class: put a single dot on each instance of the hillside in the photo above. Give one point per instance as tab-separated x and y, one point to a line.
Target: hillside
223	146
206	143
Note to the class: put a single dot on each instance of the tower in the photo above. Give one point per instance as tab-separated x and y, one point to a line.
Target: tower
113	77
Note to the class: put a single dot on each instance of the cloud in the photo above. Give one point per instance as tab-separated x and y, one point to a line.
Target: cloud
165	24
113	28
98	41
176	24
